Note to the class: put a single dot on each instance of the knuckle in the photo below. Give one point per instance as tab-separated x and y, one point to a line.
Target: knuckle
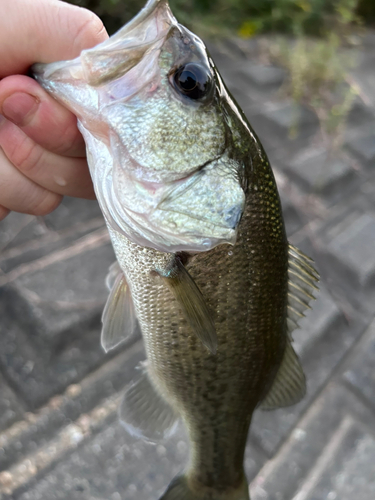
3	212
26	155
46	203
90	32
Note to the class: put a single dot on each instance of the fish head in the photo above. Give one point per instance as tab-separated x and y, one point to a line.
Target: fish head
161	142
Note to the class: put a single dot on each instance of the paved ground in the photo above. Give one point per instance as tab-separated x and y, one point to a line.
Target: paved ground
59	434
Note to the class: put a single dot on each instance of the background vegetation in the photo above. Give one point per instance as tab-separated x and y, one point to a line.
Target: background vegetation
242	16
311	39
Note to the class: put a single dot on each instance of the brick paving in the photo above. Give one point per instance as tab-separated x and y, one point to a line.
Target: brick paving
59	433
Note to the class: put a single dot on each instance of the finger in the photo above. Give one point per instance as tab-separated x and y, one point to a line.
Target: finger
54	30
42	118
59	174
21	194
3	212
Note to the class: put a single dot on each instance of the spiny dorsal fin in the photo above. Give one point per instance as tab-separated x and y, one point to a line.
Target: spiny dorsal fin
145	413
192	304
289	386
118	318
301	286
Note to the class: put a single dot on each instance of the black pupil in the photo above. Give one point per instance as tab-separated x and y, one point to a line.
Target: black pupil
187	80
193	80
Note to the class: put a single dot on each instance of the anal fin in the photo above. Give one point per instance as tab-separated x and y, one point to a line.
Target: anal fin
145	413
289	386
118	318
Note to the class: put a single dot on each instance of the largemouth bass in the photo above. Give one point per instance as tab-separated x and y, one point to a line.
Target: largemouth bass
203	262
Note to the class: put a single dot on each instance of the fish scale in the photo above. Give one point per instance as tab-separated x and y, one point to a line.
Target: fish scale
204	265
216	395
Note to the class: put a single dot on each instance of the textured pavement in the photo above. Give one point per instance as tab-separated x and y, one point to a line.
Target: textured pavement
59	432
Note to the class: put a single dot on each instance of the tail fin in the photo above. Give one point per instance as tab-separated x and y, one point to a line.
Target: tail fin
179	490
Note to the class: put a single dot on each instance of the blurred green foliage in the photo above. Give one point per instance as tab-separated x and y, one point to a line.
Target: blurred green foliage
245	17
316	63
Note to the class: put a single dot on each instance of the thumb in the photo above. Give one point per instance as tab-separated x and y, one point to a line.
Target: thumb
44	31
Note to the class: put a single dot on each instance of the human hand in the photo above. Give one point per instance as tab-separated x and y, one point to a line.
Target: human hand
42	155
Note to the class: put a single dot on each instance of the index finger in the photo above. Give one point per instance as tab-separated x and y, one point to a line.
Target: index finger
45	31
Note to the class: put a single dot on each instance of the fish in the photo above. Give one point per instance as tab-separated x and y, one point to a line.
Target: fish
203	265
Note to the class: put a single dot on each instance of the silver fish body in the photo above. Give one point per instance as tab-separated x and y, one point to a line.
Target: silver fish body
195	219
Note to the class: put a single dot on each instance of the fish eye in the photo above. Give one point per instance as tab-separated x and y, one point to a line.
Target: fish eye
193	81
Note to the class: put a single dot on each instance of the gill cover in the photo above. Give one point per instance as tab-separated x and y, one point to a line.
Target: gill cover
148	105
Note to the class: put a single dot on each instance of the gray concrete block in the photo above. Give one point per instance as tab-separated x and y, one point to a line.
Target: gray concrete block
321	342
360	369
114	465
49	242
79	399
278	122
266	78
72	211
353	249
17	229
347	466
319	173
11	408
292	217
50	330
360	114
298	469
363	148
64	294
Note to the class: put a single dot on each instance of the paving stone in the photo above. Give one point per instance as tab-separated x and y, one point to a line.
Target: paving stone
36	431
299	466
318	173
267	78
353	249
360	114
278	122
72	211
361	370
114	465
324	317
11	408
17	229
349	467
363	147
50	241
50	326
292	217
321	344
65	293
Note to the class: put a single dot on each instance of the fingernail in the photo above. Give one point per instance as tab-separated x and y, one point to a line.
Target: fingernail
19	108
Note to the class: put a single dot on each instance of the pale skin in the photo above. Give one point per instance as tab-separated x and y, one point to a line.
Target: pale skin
42	153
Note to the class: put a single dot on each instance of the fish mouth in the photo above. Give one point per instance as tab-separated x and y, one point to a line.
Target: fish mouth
126	48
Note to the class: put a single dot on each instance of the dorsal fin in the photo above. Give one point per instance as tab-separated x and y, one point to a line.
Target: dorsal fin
289	386
192	303
118	318
301	286
144	412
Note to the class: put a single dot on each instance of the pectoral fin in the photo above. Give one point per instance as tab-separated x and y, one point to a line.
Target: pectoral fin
145	413
192	303
118	318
